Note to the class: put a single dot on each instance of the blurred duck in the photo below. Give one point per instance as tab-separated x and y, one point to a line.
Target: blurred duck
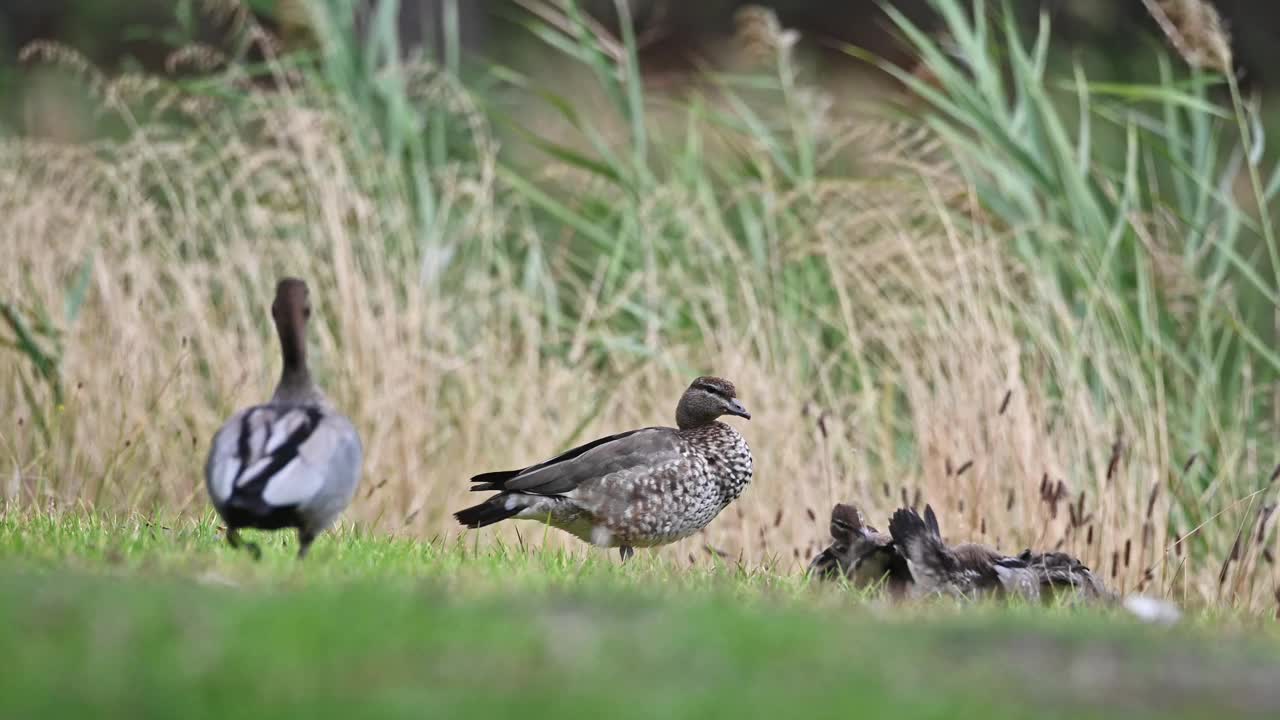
964	570
914	560
293	462
1060	574
972	569
860	554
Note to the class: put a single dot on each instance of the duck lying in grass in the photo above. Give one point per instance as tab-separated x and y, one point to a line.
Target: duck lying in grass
914	560
975	569
865	557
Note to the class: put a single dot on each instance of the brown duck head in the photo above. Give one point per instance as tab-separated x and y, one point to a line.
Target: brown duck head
291	310
707	399
860	553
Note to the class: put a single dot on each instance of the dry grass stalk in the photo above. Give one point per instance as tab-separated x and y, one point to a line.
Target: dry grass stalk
442	365
1196	31
758	35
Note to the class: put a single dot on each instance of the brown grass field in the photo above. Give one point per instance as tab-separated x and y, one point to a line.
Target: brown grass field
891	347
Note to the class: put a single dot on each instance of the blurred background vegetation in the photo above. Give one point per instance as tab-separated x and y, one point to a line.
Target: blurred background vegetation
677	38
1015	259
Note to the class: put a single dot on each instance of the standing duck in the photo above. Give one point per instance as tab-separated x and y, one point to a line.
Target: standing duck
293	462
640	488
861	554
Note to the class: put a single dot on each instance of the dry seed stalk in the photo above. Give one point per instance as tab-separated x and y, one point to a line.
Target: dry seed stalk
1186	468
1264	517
759	35
1196	32
1114	462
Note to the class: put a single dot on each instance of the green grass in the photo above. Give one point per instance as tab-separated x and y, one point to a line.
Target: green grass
1068	245
127	618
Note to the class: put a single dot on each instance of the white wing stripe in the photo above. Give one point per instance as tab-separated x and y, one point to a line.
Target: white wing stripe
253	471
224	463
282	428
295	483
222	476
259	432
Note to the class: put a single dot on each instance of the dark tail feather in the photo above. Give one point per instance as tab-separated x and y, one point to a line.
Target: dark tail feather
907	525
486	513
918	541
932	521
493	480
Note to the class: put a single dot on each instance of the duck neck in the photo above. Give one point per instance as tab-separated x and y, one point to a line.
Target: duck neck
295	379
686	418
690	424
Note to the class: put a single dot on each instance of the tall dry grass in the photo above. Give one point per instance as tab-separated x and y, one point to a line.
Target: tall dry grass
892	346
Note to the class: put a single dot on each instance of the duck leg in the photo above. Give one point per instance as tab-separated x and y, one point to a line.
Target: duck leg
304	542
236	542
626	551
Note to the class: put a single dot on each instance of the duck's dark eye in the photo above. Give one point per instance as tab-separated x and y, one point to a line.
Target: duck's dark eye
306	311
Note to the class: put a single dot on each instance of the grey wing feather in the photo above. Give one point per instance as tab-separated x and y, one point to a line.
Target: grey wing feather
651	446
224	462
326	470
291	455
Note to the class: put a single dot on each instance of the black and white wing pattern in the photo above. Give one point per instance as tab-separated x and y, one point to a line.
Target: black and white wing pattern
273	458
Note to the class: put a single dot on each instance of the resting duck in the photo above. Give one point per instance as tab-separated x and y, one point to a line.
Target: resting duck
1060	573
965	570
913	560
640	488
971	569
865	557
293	462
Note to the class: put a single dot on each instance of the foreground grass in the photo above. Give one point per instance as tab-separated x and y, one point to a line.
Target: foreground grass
140	619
